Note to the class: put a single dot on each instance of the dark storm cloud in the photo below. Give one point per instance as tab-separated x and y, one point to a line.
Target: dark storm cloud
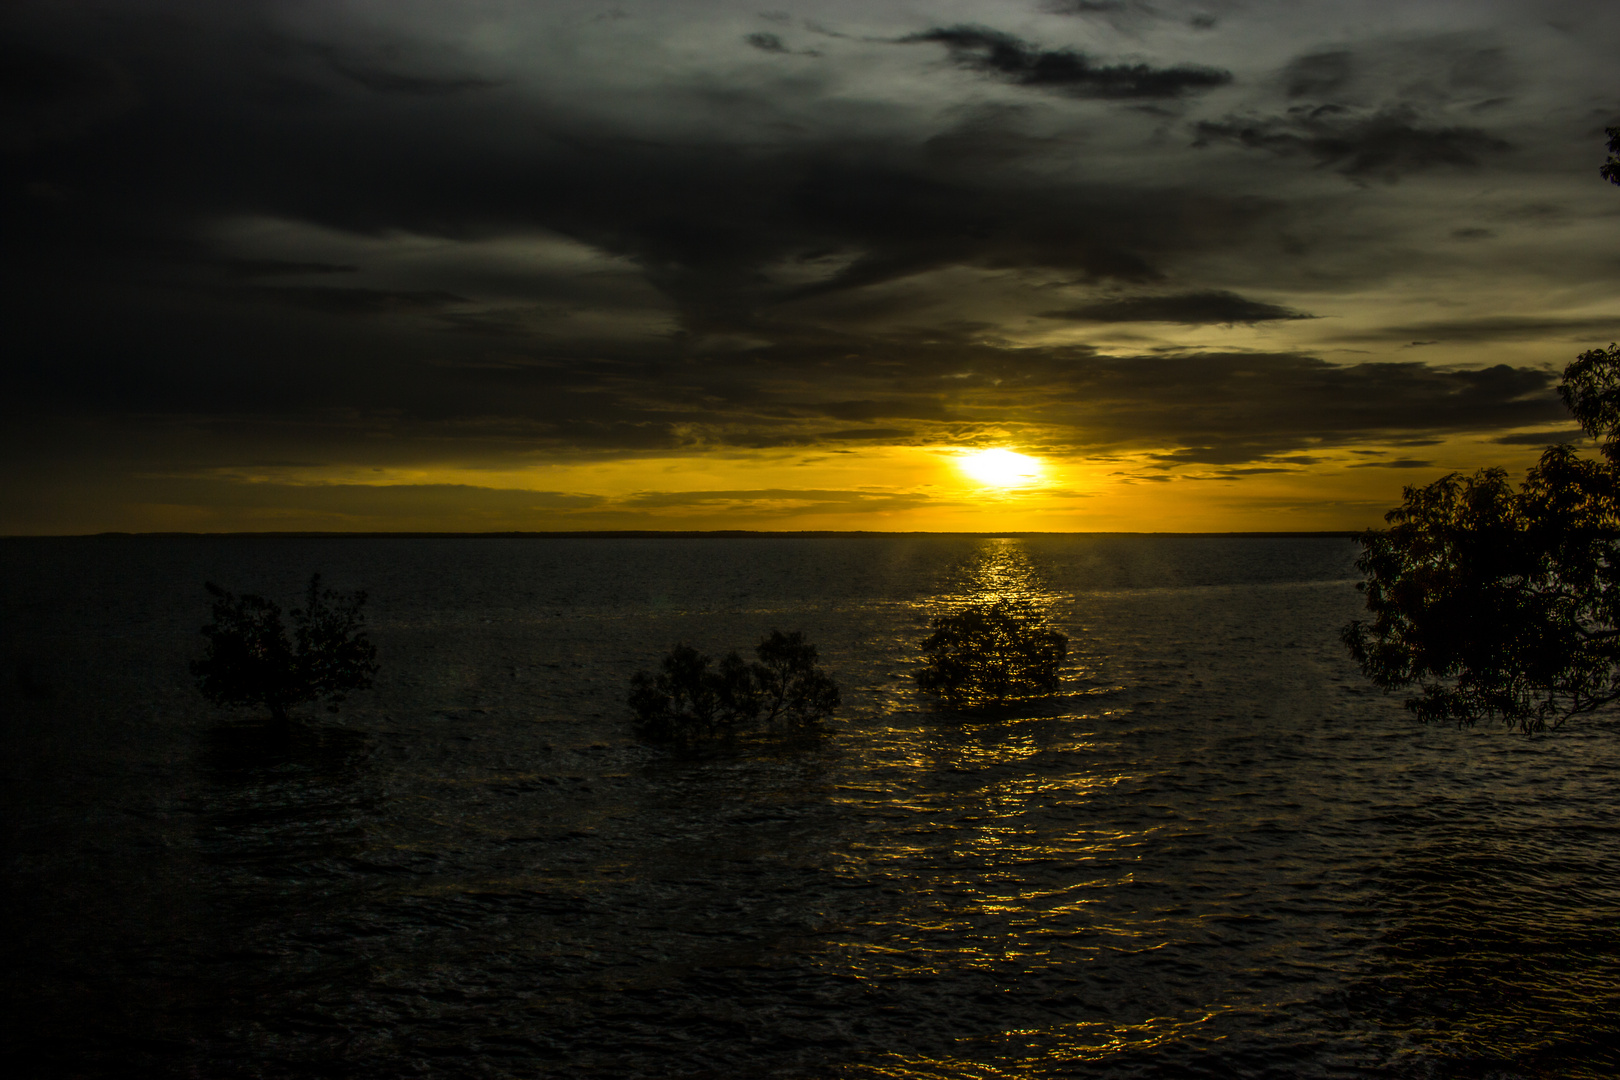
1384	144
357	504
1128	15
1319	75
1234	409
395	392
993	52
257	268
1398	463
704	222
1223	409
394	82
1089	7
1466	70
892	408
906	223
710	226
357	301
850	499
1540	438
858	434
766	42
1493	328
753	287
1190	309
405	498
779	436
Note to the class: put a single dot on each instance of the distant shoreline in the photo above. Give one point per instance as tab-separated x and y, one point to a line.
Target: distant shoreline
667	534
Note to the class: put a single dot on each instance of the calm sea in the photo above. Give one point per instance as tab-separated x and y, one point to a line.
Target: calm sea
1217	853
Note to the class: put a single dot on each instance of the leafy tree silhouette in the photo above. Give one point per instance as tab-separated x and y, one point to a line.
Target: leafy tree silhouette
1503	604
250	661
789	679
1499	603
686	698
991	653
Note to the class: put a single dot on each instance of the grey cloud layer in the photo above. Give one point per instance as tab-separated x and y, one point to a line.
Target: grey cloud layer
809	252
1191	309
1386	143
1065	70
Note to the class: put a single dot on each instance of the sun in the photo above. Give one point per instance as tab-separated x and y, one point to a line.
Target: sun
1001	468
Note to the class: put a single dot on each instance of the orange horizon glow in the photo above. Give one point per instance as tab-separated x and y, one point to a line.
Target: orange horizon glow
878	488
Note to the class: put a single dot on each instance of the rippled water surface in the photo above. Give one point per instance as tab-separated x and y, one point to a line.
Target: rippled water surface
1217	853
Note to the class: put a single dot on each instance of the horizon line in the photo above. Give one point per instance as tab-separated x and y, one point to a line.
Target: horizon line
671	534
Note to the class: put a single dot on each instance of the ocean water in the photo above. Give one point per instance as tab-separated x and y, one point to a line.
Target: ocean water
1218	852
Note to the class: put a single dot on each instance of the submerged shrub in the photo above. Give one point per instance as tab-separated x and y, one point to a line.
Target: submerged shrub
991	653
685	697
789	679
250	661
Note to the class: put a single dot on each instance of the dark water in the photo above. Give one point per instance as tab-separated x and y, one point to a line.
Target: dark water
1218	854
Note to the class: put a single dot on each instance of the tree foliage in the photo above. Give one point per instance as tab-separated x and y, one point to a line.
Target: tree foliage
1610	169
249	659
686	697
1499	603
991	653
791	682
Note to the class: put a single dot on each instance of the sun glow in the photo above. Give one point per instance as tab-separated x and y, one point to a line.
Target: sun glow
1001	468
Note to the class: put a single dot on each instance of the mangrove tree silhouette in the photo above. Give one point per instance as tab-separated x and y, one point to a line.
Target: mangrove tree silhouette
250	661
1499	603
990	653
1502	603
687	698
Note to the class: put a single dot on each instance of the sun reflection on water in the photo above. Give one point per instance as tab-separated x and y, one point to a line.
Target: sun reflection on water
1001	571
994	865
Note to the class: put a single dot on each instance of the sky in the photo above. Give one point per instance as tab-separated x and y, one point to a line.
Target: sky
400	265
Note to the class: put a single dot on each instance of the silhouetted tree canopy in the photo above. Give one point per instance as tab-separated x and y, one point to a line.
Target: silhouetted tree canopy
249	659
1610	170
1500	603
789	679
991	653
686	698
